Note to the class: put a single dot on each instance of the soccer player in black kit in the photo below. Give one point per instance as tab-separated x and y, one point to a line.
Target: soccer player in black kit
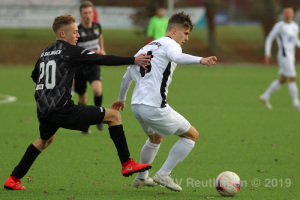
53	75
91	38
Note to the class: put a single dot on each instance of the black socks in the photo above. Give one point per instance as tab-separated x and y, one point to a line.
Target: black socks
98	101
118	137
29	157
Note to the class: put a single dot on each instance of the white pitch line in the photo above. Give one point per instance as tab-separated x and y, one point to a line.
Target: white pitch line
7	99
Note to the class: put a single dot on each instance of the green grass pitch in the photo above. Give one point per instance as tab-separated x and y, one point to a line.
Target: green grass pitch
237	133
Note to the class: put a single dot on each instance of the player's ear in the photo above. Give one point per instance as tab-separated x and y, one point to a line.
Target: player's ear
174	30
61	34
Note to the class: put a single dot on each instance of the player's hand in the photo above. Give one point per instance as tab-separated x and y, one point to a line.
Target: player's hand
102	52
142	60
209	61
117	105
267	59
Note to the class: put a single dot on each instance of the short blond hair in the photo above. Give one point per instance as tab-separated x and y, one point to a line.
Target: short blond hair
62	21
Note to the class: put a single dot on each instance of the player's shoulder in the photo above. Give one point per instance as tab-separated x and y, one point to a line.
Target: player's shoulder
57	45
279	24
69	49
79	25
159	43
96	25
165	18
154	19
80	28
61	44
295	24
58	49
168	42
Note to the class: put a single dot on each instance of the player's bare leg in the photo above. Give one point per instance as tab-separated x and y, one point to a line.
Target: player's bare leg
43	144
97	87
177	154
73	87
83	99
97	90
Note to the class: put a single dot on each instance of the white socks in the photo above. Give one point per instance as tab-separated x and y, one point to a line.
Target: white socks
294	93
177	154
148	154
275	85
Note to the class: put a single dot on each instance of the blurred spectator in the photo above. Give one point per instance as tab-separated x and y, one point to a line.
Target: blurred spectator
158	25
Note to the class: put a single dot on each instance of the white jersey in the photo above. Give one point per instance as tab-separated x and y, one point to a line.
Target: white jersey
286	35
152	85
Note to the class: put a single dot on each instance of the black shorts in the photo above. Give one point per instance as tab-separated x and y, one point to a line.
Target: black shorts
72	117
85	74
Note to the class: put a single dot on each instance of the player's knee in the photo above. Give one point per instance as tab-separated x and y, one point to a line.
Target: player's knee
112	117
83	97
97	92
41	144
49	141
116	117
155	138
192	134
292	79
83	100
282	80
196	135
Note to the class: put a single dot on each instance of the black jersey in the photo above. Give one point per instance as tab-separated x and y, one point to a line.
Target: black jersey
54	72
89	37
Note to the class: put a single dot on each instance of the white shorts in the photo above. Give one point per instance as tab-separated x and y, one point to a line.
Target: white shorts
164	121
286	66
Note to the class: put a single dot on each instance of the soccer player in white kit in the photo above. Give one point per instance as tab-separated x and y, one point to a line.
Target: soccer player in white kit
286	34
149	104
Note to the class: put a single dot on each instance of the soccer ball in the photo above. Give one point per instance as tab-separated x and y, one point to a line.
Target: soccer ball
228	184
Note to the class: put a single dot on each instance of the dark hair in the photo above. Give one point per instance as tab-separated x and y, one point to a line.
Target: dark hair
287	7
61	21
86	4
181	20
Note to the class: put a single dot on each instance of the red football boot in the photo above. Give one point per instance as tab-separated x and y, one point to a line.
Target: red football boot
130	167
13	183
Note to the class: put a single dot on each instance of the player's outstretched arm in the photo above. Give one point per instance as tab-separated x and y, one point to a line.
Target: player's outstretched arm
117	105
209	61
142	60
267	59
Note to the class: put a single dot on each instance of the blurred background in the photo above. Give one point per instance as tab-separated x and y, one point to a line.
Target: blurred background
233	30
